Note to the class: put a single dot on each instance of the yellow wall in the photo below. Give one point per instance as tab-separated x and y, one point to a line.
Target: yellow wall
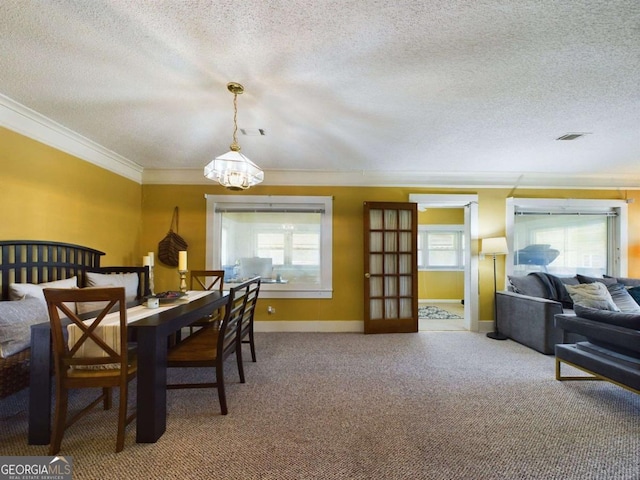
347	302
49	195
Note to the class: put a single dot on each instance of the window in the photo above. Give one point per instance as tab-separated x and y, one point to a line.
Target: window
286	240
567	237
441	247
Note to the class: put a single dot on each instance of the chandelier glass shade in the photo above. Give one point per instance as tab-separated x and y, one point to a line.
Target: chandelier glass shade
233	169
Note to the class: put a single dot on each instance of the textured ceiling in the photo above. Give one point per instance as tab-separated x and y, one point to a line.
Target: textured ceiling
451	87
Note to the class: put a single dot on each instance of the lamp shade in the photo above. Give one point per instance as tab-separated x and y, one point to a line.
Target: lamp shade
234	171
494	246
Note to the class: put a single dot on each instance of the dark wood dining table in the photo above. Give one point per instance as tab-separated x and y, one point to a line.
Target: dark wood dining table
152	335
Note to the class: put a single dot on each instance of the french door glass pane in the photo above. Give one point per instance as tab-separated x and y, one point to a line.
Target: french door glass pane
390	220
376	287
390	263
375	240
375	219
405	264
390	241
390	286
405	286
375	264
391	308
405	307
405	220
405	241
376	309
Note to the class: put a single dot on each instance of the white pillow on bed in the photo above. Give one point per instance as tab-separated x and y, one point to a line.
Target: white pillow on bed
20	291
127	280
16	319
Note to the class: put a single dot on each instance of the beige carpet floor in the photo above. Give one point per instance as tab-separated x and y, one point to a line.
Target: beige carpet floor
431	405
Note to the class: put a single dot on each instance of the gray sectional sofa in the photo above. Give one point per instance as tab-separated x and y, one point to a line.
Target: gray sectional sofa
611	350
526	310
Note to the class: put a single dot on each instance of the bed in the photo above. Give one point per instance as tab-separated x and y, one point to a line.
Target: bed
37	262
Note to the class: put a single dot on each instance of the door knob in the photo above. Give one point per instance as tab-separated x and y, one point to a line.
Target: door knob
366	275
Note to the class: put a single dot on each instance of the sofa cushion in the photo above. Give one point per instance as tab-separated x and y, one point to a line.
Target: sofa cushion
627	282
594	295
606	280
622	298
621	319
16	319
527	285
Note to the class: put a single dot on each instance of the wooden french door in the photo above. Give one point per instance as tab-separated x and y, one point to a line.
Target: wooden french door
390	267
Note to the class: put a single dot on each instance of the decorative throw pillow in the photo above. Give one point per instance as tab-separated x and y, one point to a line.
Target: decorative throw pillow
594	295
635	294
622	298
606	280
16	319
127	280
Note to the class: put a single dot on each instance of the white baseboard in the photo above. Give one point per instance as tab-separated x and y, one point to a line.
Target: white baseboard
307	326
333	326
485	326
436	300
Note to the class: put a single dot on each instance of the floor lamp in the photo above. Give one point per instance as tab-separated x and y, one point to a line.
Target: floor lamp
495	246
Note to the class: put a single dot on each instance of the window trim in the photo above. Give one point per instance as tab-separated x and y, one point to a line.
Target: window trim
264	203
619	254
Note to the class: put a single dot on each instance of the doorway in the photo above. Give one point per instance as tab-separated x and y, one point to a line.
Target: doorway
469	303
441	246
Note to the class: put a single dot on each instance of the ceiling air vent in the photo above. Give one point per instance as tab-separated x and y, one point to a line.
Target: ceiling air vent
571	136
253	132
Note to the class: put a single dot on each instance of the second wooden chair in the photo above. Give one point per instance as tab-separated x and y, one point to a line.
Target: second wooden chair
207	280
210	347
246	326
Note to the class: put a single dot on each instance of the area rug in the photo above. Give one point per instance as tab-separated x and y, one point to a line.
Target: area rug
430	311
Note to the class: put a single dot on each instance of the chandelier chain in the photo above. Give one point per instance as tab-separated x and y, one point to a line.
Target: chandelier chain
234	145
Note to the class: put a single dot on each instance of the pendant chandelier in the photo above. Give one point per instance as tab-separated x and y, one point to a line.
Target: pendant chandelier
233	170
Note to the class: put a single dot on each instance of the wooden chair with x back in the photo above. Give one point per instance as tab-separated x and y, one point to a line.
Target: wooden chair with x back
210	347
90	354
207	280
246	326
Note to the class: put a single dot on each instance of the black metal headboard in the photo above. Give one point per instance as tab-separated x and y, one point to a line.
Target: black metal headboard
35	261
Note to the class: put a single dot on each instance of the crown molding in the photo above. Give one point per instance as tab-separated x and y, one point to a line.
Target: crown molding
27	122
408	179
